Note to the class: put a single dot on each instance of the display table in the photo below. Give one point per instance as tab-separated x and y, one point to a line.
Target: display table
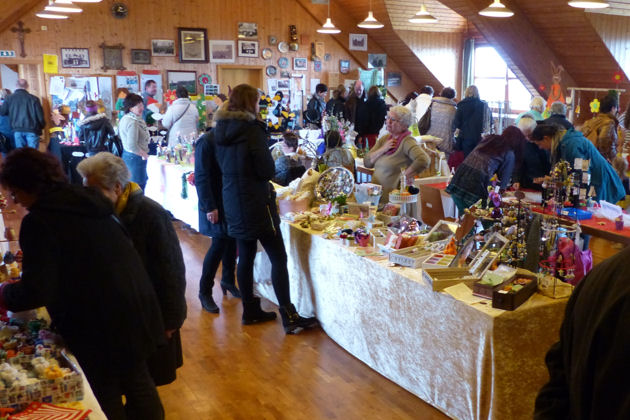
470	361
165	187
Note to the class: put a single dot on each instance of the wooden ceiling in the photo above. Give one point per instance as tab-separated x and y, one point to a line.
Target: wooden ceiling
12	11
401	10
619	8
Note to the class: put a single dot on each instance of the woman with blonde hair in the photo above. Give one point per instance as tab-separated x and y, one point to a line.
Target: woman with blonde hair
249	204
472	119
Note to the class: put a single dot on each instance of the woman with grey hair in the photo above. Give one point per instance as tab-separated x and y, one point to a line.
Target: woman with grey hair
536	108
396	150
154	237
558	116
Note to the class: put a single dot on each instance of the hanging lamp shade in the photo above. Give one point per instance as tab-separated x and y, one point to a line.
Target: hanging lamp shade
496	9
589	4
86	1
370	22
423	16
328	27
61	7
50	15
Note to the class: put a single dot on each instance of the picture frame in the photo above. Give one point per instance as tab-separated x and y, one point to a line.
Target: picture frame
222	51
75	58
344	66
162	48
112	57
248	48
247	30
139	56
394	79
377	61
358	42
300	63
193	45
317	66
182	77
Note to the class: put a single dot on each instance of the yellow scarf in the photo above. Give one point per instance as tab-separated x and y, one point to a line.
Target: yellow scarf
121	203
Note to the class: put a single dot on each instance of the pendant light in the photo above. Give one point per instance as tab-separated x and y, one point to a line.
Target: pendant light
50	15
496	9
423	16
589	4
62	7
370	21
87	1
328	27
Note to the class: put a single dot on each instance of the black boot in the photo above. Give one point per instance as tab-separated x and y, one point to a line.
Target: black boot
293	323
253	313
230	288
207	303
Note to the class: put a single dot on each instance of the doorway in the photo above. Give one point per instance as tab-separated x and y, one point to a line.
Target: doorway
229	76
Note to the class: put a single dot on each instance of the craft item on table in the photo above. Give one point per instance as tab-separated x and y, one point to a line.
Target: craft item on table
391	209
3	202
440	260
514	294
619	223
552	287
9	234
367	192
334	182
362	237
9	258
45	411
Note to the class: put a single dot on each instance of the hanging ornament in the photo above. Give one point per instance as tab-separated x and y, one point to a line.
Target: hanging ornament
169	96
594	106
204	79
618	76
542	87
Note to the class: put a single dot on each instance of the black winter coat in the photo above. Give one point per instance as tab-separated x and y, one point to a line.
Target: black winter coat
371	116
25	112
154	237
80	264
469	118
336	107
314	111
246	168
96	131
589	367
209	187
560	120
353	107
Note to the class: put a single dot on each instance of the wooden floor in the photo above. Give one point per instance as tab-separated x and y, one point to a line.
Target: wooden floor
257	372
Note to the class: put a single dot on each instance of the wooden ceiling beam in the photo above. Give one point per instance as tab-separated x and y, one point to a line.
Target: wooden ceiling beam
19	12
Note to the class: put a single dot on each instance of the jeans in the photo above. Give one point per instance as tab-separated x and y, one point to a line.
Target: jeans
138	168
134	382
222	250
274	247
26	139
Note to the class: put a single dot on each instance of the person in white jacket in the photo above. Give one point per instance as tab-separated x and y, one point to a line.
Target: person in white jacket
419	106
181	118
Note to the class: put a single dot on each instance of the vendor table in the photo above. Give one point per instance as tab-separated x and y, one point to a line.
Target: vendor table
165	187
469	360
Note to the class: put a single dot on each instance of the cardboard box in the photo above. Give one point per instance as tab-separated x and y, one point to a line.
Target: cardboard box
512	300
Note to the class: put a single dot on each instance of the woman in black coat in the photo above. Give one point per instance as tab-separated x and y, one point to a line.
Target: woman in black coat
336	105
371	117
80	264
472	119
95	130
212	223
154	237
250	206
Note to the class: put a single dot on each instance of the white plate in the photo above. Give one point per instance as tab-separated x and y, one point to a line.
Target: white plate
283	47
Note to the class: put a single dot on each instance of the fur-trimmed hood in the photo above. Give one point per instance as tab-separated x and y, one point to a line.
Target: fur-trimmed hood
233	127
91	119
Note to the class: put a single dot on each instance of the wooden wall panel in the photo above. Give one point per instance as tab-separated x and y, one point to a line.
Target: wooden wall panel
615	32
149	20
439	51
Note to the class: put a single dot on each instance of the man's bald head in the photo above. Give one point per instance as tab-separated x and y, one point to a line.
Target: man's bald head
22	84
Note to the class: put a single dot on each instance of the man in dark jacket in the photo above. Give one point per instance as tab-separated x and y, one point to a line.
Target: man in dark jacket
26	116
316	106
354	104
95	130
80	264
589	367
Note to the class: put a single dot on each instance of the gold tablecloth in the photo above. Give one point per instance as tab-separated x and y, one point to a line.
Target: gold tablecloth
470	361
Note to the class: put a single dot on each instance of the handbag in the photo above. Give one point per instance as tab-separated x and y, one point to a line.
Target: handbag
114	145
424	125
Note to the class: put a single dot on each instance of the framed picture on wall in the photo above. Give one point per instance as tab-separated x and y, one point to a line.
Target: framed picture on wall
247	30
358	42
377	61
193	45
344	66
162	47
75	58
300	63
140	56
112	57
222	51
394	79
248	49
188	79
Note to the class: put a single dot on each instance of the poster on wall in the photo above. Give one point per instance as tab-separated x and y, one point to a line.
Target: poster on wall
297	92
128	81
155	76
272	86
106	93
57	85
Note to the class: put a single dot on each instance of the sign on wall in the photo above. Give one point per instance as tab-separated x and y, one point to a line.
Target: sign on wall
7	53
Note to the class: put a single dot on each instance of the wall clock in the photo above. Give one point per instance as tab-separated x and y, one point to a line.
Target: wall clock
120	10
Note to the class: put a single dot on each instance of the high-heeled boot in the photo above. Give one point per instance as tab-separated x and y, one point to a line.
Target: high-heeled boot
253	313
230	288
292	321
207	303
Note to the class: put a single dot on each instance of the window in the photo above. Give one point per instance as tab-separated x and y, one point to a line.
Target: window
497	84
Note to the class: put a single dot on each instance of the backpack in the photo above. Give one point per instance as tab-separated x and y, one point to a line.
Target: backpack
424	125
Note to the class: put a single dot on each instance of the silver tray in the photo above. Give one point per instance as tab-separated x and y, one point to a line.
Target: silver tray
333	182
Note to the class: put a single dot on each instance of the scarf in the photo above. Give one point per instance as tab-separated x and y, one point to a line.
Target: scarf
399	140
122	201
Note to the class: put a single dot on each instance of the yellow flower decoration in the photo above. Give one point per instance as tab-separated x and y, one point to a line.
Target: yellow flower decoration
276	98
594	105
285	114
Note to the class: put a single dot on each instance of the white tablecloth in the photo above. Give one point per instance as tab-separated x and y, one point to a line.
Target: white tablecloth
470	361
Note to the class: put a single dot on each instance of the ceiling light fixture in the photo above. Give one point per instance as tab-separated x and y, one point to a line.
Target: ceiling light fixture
370	21
496	9
328	27
589	4
62	7
86	1
423	16
47	15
